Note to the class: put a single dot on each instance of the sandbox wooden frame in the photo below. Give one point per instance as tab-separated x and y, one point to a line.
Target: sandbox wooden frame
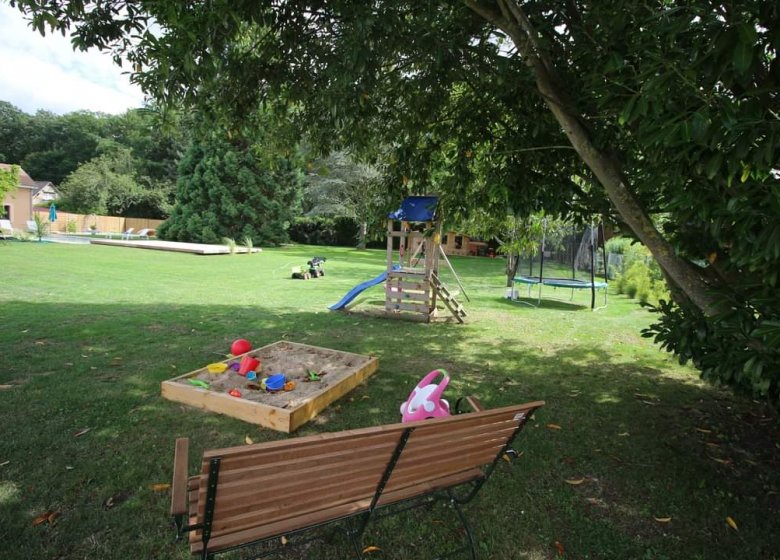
286	419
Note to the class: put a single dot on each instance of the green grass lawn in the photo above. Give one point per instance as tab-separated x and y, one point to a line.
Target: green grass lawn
87	333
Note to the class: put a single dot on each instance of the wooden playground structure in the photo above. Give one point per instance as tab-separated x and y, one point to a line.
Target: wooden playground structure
413	286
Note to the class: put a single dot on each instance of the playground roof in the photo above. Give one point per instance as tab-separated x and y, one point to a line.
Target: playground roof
416	209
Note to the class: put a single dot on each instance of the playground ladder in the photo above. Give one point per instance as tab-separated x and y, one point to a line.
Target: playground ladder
452	304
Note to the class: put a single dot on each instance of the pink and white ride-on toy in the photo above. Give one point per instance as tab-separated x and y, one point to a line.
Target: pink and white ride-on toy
425	400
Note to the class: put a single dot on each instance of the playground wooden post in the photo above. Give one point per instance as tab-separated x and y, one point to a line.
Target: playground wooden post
410	288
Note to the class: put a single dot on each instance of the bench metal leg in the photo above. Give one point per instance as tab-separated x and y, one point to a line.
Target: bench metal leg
355	534
466	526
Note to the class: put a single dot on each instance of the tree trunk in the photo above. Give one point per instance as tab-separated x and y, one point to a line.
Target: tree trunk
362	236
512	261
513	22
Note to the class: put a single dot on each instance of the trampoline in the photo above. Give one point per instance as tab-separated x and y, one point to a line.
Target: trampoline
571	283
582	257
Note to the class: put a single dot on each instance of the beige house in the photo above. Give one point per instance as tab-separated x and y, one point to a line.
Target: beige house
45	193
453	243
18	205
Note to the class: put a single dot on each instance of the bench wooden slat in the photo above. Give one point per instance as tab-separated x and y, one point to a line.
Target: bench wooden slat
339	466
303	497
241	459
243	467
356	491
294	498
249	505
179	484
347	435
320	516
273	465
299	495
249	487
270	489
287	491
428	431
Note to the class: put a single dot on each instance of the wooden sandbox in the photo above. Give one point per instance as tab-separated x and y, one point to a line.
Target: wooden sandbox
339	372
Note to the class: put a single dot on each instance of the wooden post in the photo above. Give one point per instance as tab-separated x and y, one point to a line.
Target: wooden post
389	246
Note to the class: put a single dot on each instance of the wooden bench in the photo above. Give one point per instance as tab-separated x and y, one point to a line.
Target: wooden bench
253	493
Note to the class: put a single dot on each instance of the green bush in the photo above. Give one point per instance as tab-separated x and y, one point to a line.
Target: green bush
320	230
70	226
639	275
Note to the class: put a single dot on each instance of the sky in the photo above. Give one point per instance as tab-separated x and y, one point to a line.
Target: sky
46	73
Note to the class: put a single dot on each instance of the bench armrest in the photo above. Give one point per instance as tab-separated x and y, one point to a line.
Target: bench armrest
179	486
473	402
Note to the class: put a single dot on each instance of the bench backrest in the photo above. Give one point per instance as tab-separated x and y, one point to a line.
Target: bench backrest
274	481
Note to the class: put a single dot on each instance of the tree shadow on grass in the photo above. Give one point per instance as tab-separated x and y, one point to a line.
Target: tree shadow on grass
645	442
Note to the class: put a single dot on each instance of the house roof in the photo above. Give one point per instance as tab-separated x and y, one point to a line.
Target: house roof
416	209
24	179
40	185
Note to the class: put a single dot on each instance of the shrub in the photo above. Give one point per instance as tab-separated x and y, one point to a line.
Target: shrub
638	274
319	230
231	244
70	226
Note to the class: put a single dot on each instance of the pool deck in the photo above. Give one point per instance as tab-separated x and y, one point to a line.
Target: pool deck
175	246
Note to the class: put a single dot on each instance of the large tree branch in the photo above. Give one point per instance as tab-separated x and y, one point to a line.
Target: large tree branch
604	167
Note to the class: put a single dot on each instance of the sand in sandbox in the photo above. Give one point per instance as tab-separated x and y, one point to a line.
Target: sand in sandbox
294	361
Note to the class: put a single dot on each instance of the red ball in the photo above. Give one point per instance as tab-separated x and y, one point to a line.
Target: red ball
240	346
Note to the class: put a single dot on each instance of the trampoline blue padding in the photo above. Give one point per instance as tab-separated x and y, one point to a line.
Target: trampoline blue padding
561	282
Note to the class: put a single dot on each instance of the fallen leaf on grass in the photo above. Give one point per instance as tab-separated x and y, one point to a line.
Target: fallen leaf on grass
732	523
702	430
4	463
283	540
162	487
559	548
81	432
663	519
554	427
371	549
574	481
49	517
42	518
624	434
248	440
6	387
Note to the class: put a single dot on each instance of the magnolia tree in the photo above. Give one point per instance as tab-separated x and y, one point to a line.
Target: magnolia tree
337	185
626	108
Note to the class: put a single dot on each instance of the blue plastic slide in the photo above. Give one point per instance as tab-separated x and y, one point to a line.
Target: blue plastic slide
357	290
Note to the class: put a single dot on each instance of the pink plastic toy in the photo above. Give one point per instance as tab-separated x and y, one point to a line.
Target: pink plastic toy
425	400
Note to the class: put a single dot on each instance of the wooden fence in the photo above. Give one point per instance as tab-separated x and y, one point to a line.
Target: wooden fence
103	224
